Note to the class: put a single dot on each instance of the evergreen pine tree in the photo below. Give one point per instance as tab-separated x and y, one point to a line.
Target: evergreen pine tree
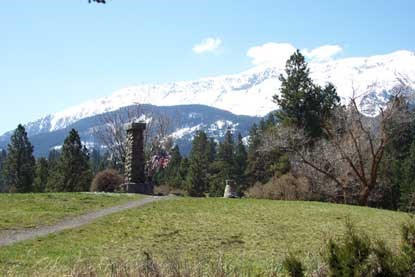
174	167
197	177
254	142
3	157
95	161
72	172
271	121
20	162
262	126
216	178
262	165
302	103
212	149
397	157
106	162
226	148
241	157
226	156
407	186
41	175
53	159
183	172
54	156
223	167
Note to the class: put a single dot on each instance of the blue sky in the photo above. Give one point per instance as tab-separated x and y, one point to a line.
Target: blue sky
54	54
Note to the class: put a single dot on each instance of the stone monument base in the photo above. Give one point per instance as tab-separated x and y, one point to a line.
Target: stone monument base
230	193
144	188
230	189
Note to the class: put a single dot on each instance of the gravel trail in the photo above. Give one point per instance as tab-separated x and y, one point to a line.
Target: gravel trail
10	237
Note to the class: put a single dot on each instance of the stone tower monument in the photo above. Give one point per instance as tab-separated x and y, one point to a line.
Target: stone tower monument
135	161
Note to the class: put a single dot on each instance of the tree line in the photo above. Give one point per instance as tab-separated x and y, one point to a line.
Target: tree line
311	148
66	170
208	166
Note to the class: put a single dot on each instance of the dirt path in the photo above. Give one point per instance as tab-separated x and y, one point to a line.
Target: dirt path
10	237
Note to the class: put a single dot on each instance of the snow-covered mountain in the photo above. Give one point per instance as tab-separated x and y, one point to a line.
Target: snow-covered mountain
250	92
370	79
184	121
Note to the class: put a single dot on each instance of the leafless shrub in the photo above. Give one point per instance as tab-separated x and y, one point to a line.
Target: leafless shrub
106	181
286	187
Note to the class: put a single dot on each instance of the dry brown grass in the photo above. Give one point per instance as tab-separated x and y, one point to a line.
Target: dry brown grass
166	190
147	266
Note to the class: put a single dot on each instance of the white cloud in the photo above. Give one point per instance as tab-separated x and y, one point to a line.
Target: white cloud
207	45
323	53
277	54
271	53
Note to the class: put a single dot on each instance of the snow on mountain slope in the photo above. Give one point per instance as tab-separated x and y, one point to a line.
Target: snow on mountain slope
371	79
250	93
186	120
240	94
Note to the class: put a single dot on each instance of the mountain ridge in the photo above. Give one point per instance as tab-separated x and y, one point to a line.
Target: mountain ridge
371	80
250	92
185	120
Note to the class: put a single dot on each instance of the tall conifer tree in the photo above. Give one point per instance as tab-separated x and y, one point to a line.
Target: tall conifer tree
256	170
41	175
223	167
72	171
241	157
95	161
183	172
407	186
398	157
20	162
302	103
3	157
197	177
226	156
174	166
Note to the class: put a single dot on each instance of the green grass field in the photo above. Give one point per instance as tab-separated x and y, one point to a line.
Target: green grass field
257	233
31	210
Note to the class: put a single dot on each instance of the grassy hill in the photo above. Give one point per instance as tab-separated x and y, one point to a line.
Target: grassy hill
243	232
29	210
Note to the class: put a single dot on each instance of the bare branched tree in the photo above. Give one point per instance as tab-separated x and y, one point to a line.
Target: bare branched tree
351	152
111	131
161	127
